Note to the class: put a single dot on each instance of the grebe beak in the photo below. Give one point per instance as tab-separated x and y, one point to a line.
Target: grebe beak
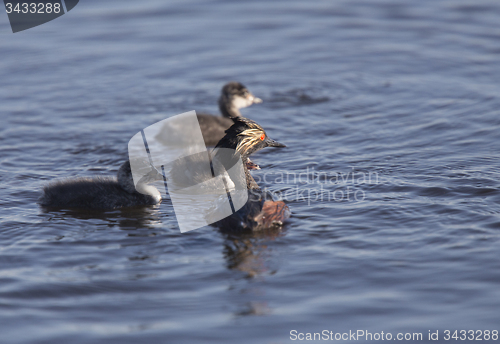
254	99
271	143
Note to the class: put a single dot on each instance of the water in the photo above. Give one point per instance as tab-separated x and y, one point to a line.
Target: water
404	92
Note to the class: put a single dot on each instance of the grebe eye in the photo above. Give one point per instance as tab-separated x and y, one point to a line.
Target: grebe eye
262	137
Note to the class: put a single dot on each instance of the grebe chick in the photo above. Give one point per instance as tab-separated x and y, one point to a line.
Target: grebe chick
102	192
234	96
260	212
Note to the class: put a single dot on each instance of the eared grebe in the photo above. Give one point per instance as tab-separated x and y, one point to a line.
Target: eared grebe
102	192
260	211
234	96
257	210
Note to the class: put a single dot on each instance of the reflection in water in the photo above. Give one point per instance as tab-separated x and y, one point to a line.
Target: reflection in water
248	252
126	218
255	308
251	254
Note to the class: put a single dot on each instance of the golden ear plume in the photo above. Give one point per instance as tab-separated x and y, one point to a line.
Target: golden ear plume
250	137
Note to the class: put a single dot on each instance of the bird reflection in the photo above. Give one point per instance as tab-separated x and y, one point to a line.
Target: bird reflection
254	308
129	219
248	252
251	254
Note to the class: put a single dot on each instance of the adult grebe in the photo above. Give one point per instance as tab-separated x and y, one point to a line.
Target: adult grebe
260	211
242	139
102	192
234	96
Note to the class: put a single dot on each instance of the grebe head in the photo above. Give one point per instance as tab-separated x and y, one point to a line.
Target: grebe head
246	137
235	96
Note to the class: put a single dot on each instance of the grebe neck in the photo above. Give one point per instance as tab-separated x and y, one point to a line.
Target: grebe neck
227	108
251	183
